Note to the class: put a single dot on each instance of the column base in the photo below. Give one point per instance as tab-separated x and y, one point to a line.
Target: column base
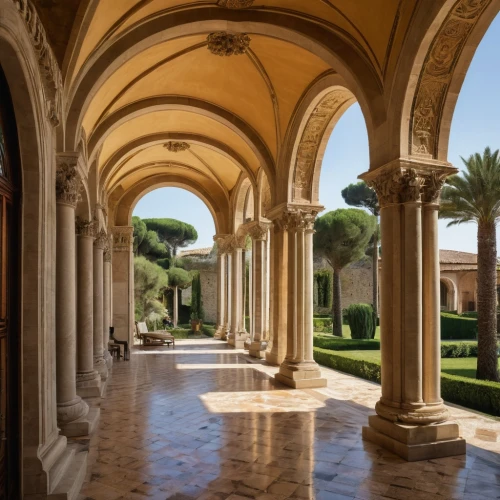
84	426
415	442
101	367
220	333
88	384
237	340
306	375
257	349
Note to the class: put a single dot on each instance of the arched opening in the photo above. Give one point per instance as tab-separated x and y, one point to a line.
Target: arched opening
9	295
448	295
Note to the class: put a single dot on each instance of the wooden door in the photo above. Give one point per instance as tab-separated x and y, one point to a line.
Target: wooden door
9	298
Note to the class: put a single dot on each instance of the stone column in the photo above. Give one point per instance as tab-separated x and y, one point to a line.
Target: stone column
106	320
221	295
244	286
237	334
99	246
276	350
299	370
72	412
123	282
88	380
267	309
411	418
258	233
228	313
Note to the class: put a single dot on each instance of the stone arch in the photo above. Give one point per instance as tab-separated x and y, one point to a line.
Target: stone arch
317	114
438	73
163	103
125	202
335	48
37	246
451	301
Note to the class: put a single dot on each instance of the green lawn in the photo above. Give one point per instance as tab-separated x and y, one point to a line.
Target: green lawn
464	367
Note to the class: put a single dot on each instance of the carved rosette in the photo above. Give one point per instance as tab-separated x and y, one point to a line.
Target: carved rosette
437	72
47	63
85	227
222	43
235	4
176	147
123	237
101	240
67	180
407	185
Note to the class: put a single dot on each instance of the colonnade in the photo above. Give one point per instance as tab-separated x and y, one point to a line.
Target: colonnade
83	304
411	418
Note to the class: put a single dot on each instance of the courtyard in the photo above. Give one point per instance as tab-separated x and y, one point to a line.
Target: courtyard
205	421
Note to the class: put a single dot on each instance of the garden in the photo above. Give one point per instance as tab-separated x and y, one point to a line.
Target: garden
357	352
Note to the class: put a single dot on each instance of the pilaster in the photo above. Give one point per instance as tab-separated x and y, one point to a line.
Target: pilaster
411	418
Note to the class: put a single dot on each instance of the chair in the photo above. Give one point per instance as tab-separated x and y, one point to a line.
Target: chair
160	337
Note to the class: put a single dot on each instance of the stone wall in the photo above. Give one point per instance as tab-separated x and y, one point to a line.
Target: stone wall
208	295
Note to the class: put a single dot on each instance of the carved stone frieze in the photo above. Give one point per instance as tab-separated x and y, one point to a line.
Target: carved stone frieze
437	72
85	227
122	238
177	147
49	69
235	4
310	142
68	181
222	43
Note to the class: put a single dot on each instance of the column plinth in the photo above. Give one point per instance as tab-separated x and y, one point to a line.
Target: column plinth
73	415
299	370
88	380
411	419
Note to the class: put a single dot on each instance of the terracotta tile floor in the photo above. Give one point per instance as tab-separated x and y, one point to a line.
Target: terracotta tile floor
201	422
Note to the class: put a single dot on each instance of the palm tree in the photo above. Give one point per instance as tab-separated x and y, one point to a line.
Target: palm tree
475	197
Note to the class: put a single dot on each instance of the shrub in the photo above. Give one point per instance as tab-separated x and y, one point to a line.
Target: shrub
457	327
338	344
458	350
477	394
180	333
361	321
320	324
207	330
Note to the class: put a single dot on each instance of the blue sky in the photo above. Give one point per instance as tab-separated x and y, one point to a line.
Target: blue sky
476	124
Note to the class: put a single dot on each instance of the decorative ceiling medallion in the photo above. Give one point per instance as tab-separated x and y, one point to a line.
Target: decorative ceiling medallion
235	4
223	43
177	147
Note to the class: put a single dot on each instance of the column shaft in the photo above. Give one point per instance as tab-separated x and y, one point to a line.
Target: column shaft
237	336
258	345
229	294
221	295
99	362
106	320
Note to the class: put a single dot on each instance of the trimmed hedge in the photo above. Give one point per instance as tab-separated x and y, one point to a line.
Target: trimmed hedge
458	350
362	321
471	393
208	330
180	333
457	327
321	324
338	344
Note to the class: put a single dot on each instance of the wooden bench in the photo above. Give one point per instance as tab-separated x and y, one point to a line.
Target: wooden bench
160	337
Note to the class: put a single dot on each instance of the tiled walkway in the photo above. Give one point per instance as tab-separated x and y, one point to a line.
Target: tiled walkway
201	422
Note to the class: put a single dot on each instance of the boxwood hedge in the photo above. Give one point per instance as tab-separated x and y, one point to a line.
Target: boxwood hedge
457	327
471	393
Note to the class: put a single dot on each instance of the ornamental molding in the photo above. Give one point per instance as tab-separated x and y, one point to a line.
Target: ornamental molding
222	43
310	142
235	4
47	63
123	237
258	230
85	227
436	75
68	180
408	183
177	147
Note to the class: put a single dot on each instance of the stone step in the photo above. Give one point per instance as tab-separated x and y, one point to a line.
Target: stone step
71	470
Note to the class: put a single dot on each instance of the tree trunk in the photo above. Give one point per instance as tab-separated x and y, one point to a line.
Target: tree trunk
337	304
487	358
176	306
375	273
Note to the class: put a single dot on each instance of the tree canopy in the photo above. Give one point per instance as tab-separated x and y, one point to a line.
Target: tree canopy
178	277
147	243
173	233
343	235
362	196
149	280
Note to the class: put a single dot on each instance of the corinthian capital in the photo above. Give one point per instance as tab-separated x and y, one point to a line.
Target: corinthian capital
67	178
406	181
85	227
122	238
101	240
